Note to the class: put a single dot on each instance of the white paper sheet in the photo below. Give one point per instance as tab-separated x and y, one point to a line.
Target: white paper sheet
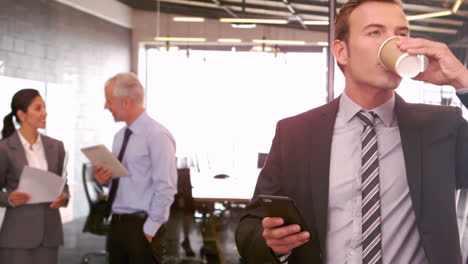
100	155
2	211
65	164
43	186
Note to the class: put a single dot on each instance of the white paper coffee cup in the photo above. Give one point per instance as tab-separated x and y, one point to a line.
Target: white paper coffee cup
403	64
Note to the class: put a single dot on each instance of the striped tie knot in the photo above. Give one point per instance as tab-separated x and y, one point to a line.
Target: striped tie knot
367	117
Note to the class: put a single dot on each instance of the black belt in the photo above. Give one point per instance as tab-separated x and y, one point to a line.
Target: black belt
129	217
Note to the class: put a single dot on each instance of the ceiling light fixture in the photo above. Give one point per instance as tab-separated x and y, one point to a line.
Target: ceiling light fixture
253	20
456	6
281	42
168	48
449	12
189	19
429	15
316	22
243	25
262	49
228	40
180	39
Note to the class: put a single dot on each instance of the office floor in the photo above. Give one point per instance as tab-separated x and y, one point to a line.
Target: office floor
217	236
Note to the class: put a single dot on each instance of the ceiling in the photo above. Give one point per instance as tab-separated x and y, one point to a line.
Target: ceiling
448	29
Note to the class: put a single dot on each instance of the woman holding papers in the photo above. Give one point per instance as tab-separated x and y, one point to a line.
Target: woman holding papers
31	233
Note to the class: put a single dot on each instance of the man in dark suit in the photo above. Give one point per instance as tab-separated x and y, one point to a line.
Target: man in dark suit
373	176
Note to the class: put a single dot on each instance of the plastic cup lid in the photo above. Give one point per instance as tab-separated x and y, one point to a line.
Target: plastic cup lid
409	66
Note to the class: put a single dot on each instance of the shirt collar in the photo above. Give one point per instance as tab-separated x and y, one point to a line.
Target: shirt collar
138	125
36	145
385	112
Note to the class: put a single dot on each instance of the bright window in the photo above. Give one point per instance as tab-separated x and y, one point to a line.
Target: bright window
222	106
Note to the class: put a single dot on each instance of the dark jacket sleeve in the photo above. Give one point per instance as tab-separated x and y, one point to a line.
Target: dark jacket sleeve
250	243
278	177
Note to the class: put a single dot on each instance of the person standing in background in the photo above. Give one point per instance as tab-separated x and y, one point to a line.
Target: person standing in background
31	233
140	203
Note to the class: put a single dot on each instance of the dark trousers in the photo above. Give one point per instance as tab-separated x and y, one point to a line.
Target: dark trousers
127	244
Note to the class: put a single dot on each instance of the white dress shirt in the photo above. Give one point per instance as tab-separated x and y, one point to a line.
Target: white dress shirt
35	154
152	184
401	241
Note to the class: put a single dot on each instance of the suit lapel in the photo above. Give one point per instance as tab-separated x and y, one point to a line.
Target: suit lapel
320	148
410	134
16	147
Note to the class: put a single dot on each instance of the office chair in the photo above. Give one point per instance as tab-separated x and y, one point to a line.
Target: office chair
95	222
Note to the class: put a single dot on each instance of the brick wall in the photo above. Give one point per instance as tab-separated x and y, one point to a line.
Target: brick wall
72	54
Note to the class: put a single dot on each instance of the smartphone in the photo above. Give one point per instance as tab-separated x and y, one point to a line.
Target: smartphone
284	207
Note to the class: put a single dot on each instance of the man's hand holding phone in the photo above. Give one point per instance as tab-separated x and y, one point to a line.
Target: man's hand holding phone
282	239
283	228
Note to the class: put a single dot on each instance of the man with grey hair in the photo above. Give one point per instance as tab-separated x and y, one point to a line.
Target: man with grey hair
139	204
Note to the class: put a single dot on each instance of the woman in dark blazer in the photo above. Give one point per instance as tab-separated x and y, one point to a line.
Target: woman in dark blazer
31	233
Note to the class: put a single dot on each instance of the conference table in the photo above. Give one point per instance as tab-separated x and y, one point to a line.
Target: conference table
237	188
209	191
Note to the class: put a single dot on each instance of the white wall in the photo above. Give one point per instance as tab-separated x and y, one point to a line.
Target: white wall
110	10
